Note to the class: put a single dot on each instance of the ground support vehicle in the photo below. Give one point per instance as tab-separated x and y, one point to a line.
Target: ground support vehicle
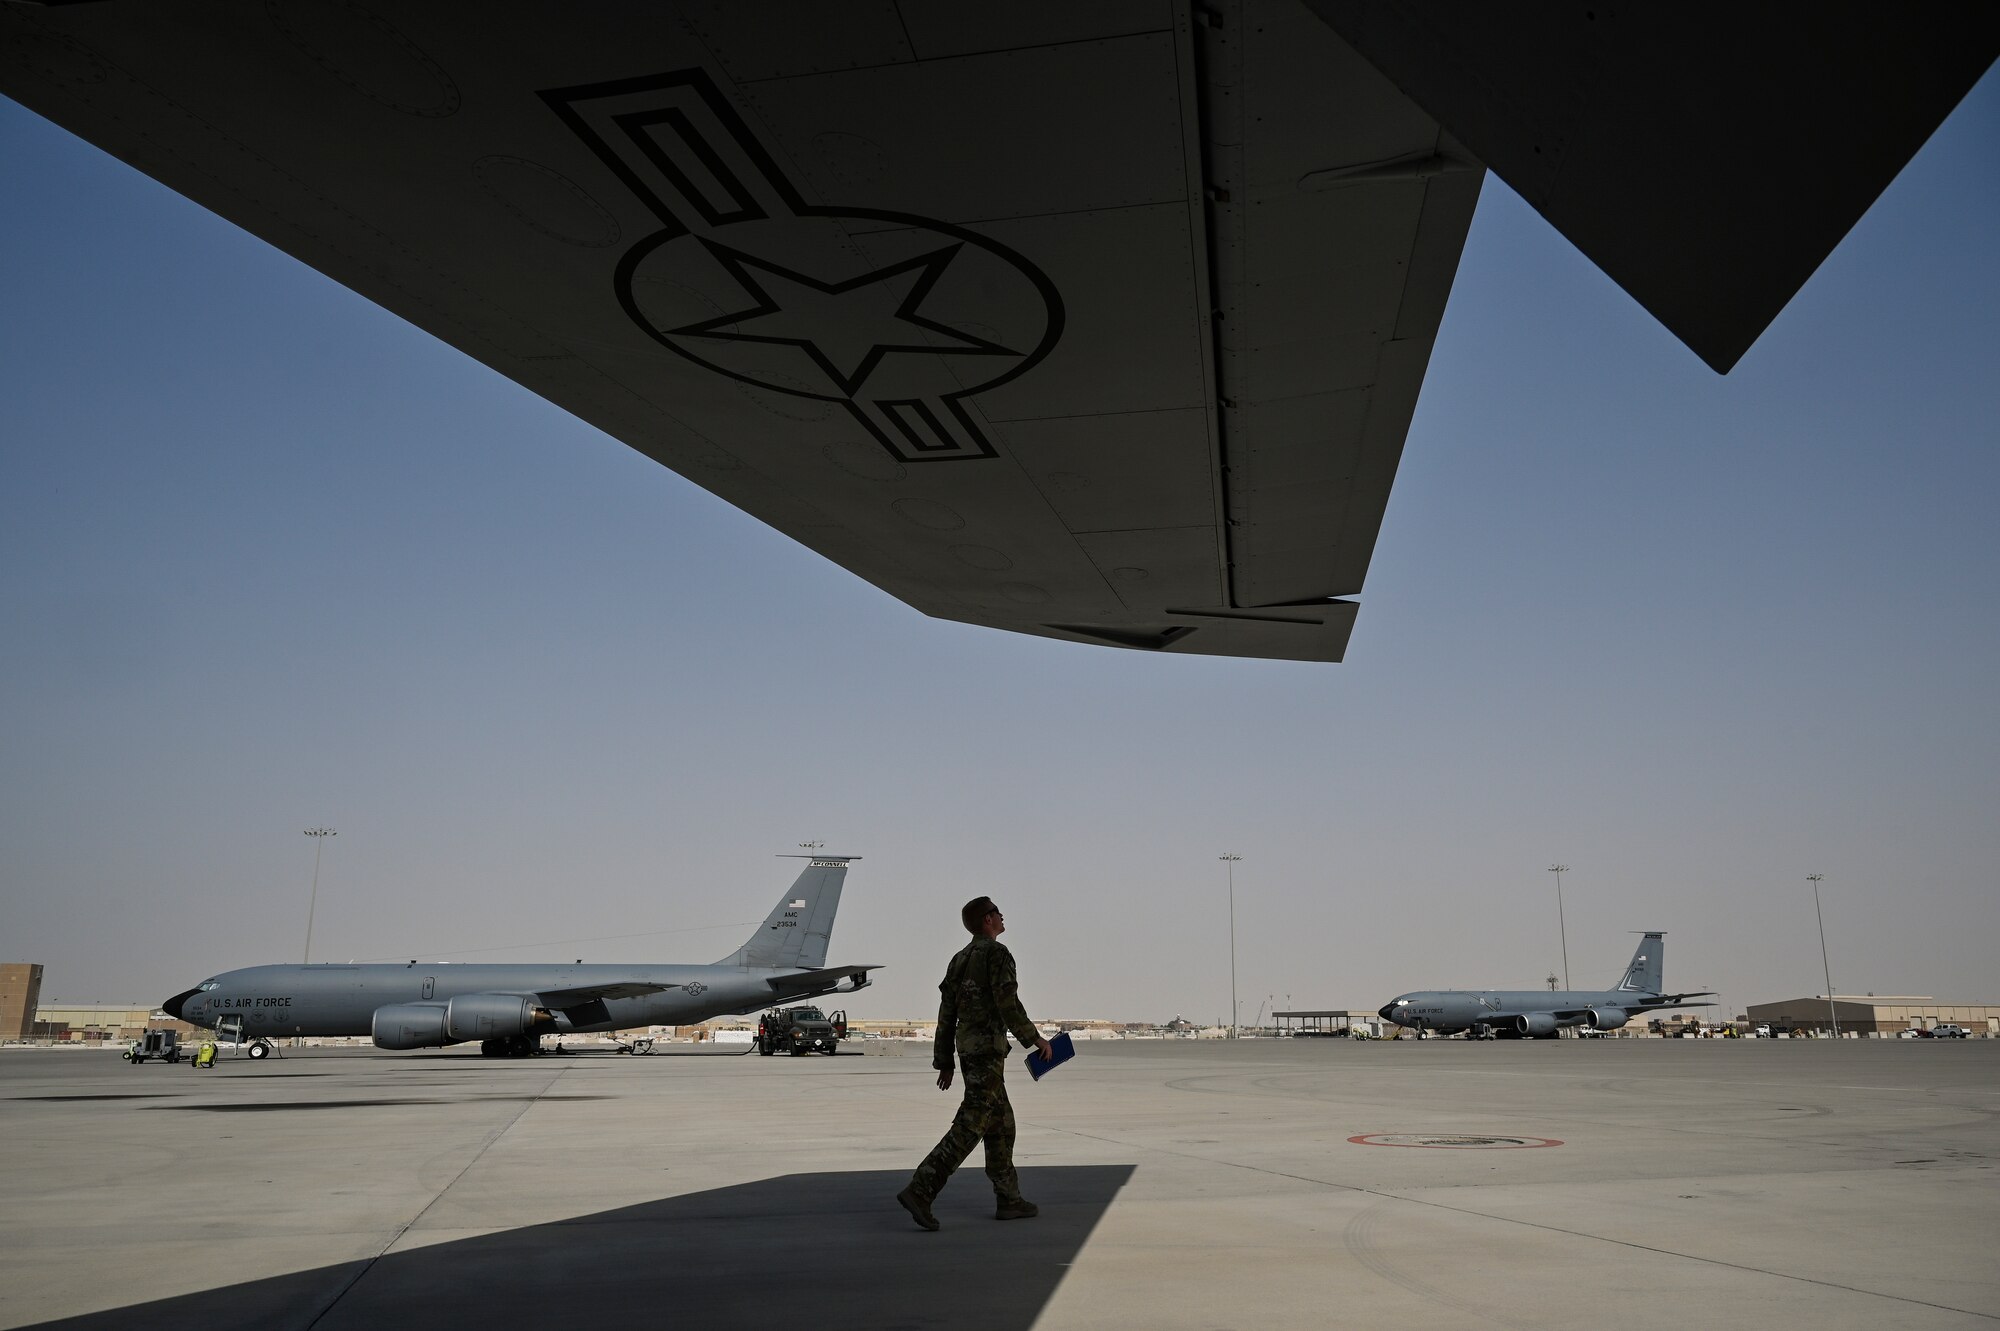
230	1031
800	1030
163	1045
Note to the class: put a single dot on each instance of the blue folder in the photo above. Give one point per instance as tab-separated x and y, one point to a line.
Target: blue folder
1060	1051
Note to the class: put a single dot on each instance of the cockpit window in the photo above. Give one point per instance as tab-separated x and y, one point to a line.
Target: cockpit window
206	985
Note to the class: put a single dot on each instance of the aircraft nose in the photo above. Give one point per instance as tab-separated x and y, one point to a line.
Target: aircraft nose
1387	1011
172	1007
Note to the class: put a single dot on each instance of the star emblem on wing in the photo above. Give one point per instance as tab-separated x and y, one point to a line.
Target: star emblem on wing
845	327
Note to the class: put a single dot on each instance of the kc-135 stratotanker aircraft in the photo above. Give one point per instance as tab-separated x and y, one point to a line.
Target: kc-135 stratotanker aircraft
508	1008
1531	1013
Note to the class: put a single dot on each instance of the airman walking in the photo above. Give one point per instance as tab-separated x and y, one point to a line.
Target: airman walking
980	1005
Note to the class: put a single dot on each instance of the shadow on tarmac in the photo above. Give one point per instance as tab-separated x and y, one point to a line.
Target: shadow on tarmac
829	1250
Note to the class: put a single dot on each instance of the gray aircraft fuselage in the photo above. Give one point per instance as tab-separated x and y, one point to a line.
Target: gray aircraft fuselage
508	1008
1541	1012
324	999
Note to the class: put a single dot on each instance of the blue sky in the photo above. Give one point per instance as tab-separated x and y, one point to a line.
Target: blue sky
271	558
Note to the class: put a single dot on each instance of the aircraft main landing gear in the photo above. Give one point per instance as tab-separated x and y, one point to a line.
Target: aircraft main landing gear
511	1046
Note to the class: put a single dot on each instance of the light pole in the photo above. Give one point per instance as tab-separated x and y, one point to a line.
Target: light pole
319	836
1832	1017
1559	870
1230	861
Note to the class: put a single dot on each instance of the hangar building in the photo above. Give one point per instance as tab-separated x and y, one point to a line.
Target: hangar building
1877	1014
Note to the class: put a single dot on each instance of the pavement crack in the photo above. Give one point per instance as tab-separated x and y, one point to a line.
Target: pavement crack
528	1102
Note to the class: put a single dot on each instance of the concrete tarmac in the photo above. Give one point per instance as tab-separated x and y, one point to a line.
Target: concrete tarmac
1183	1184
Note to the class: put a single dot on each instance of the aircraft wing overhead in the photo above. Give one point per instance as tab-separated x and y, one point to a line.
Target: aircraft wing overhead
1706	160
1102	322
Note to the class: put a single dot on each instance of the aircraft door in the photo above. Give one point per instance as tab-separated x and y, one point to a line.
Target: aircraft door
229	1030
430	985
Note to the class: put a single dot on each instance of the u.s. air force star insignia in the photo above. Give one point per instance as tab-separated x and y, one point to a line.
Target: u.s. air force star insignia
694	988
898	319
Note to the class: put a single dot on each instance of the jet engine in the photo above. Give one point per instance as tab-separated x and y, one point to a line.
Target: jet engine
409	1026
491	1016
1536	1025
1606	1018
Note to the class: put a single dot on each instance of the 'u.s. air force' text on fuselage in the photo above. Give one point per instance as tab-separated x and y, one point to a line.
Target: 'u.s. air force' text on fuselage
509	1007
1539	1012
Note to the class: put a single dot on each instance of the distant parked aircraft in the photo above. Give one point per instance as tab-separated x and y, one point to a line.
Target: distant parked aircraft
1541	1013
508	1008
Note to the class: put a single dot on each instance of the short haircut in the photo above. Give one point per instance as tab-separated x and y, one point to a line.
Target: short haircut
975	911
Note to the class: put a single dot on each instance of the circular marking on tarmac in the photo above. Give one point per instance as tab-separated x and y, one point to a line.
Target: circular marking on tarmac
1452	1141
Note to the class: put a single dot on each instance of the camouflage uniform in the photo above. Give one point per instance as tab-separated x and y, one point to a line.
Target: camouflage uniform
981	1004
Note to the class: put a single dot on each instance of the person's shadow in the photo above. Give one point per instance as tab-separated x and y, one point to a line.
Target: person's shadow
820	1250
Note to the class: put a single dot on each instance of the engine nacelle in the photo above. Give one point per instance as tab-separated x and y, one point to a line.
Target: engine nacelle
490	1016
409	1026
1606	1018
1536	1024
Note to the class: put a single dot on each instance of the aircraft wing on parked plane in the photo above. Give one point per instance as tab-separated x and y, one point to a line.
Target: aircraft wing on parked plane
1102	322
1577	1011
591	993
1677	1000
830	975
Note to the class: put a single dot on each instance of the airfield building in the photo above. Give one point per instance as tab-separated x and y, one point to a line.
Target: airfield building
1876	1014
89	1023
20	994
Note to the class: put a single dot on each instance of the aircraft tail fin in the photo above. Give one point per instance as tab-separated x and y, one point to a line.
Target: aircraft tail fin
1642	976
799	927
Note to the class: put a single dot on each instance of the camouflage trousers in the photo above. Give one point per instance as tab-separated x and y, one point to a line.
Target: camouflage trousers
984	1115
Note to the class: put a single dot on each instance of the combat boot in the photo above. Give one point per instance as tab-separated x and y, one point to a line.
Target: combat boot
918	1206
1018	1209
